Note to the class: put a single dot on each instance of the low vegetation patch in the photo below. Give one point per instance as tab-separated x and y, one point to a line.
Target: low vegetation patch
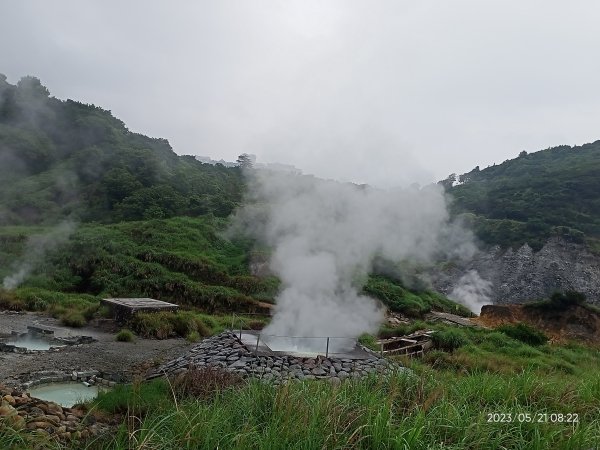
125	335
562	301
205	382
410	303
163	325
73	319
524	333
449	339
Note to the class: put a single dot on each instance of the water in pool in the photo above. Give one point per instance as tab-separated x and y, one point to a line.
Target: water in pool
65	394
30	342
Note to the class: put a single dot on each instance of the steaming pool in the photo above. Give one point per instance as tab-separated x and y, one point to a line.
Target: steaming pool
66	394
31	342
304	347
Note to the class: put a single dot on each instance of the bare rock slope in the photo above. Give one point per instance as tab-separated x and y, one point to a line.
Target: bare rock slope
522	275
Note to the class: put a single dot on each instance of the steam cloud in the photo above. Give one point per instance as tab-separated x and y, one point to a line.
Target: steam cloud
325	236
472	291
36	249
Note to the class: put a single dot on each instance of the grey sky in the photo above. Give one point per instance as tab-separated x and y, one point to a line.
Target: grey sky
384	92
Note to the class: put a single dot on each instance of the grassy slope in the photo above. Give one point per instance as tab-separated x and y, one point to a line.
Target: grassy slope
183	260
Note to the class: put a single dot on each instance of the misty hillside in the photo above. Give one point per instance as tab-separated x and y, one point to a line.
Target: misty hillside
553	192
118	198
68	159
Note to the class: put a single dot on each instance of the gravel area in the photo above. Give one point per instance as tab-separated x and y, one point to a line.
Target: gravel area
106	354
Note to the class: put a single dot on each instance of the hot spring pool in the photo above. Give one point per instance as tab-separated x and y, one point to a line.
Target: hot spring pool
31	342
66	394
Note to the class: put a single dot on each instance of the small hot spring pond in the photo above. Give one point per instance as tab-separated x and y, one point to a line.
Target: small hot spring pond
39	339
31	342
66	394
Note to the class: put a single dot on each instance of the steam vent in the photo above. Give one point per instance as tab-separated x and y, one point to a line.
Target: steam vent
229	352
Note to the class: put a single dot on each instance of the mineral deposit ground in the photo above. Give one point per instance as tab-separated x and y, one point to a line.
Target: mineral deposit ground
104	354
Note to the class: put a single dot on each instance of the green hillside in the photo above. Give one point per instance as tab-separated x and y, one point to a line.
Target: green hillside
65	158
553	192
143	221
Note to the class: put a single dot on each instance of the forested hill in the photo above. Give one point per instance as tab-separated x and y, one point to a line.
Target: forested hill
553	192
68	159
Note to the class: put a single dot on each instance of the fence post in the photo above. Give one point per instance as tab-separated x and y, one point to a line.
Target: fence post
257	340
232	321
381	349
327	349
240	330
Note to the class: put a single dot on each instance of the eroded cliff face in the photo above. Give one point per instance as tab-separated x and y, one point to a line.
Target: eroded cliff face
571	322
524	275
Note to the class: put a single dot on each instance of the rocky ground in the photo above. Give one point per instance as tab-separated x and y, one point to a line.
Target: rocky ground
105	354
522	275
46	419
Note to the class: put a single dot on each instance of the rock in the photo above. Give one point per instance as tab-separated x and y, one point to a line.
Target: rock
7	410
10	399
15	421
35	411
53	408
318	371
53	420
40	425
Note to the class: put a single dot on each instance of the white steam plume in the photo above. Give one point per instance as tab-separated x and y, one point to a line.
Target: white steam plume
472	291
324	237
35	251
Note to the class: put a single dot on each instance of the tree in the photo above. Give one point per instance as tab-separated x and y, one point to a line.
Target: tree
448	182
245	161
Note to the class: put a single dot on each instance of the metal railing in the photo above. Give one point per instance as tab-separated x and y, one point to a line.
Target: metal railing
319	345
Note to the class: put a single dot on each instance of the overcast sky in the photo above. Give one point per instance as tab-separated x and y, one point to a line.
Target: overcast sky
383	92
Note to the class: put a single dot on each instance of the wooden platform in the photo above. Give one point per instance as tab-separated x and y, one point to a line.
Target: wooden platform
124	308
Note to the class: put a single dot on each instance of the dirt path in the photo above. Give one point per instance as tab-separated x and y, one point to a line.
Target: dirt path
103	355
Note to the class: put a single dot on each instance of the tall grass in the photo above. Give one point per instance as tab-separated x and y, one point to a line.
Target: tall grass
398	411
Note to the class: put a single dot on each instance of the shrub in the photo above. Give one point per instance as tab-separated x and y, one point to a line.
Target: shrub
90	311
369	341
73	319
193	336
256	325
9	301
387	332
153	325
448	340
125	336
183	323
105	312
524	333
205	382
57	311
167	324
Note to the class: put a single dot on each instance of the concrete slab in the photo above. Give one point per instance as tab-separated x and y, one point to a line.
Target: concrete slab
124	308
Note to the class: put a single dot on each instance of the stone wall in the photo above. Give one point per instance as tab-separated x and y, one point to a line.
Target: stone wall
227	352
19	411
